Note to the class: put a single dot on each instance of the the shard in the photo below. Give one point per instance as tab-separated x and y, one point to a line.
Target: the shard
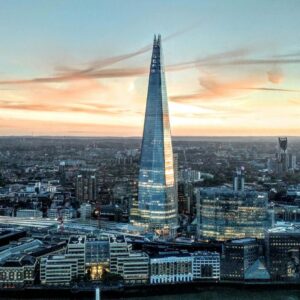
157	204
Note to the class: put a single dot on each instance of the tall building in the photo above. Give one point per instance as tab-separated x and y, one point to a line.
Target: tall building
239	180
282	156
86	186
156	188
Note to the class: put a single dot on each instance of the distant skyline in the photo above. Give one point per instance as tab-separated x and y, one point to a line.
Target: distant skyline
81	67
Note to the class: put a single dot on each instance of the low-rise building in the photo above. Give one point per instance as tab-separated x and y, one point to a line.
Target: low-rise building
97	256
171	267
134	268
282	250
29	213
238	255
76	250
58	270
206	265
17	271
118	247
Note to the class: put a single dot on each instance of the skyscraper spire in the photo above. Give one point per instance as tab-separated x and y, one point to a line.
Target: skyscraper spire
157	207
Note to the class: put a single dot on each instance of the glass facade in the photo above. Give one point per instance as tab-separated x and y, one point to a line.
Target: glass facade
226	214
157	207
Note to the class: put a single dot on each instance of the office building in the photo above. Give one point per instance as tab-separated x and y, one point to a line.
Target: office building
134	268
282	250
171	267
206	265
58	270
238	255
118	247
157	207
225	213
97	256
76	249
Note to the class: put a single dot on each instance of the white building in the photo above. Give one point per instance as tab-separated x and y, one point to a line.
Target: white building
171	267
118	247
76	249
58	270
134	268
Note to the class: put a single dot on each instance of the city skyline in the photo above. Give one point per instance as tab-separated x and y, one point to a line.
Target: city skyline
72	68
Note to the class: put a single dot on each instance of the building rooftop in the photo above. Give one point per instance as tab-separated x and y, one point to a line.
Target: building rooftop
18	260
243	241
117	239
18	248
77	239
223	190
284	227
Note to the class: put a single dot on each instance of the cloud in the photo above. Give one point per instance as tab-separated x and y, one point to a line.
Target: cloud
275	75
273	89
98	68
215	88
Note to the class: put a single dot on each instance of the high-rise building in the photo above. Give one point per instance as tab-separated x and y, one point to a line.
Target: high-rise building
239	180
156	188
292	161
86	186
62	172
282	156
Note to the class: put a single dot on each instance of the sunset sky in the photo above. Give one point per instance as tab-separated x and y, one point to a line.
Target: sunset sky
81	67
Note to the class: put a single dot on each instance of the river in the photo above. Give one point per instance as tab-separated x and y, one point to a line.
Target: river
216	294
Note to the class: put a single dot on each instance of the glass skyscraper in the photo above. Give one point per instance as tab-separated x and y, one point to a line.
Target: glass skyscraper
157	205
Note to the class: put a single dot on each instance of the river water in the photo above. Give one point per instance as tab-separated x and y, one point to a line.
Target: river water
231	294
217	294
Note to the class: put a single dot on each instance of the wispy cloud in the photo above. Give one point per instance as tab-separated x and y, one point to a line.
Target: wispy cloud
212	87
98	68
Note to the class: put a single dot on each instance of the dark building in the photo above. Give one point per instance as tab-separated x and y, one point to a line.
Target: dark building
7	235
282	250
17	271
238	256
282	156
86	186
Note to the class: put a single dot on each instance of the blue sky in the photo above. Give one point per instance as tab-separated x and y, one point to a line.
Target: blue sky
39	37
